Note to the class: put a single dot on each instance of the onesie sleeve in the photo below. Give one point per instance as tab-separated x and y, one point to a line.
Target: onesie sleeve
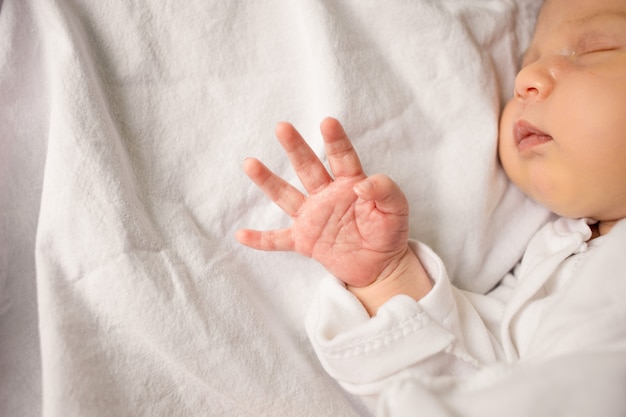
425	337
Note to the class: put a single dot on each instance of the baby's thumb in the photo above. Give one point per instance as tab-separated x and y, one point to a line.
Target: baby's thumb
384	192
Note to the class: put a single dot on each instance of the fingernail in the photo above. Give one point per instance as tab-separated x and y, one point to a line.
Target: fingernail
363	186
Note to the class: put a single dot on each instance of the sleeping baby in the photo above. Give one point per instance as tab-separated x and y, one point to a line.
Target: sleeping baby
388	324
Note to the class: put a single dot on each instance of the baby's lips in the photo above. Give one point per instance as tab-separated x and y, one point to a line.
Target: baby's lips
528	136
523	129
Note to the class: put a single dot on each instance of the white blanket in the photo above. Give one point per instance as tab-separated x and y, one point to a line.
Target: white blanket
123	125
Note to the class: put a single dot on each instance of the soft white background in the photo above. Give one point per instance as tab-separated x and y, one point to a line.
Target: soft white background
123	126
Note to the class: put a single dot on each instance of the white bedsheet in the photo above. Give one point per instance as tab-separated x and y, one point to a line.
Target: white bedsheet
123	125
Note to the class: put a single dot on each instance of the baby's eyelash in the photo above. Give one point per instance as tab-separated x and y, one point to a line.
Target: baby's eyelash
597	49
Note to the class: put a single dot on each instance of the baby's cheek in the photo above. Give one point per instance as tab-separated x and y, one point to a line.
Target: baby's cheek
505	130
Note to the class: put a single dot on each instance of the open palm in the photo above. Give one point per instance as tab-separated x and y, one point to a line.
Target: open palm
355	226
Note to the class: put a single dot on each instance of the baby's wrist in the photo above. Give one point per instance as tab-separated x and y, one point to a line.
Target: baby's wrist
407	277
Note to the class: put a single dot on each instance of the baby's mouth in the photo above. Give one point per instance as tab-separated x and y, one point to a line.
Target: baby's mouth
528	136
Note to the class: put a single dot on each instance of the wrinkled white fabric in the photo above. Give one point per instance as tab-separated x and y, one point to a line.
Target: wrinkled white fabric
123	126
454	347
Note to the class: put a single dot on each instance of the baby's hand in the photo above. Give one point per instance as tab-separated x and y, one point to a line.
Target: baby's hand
356	226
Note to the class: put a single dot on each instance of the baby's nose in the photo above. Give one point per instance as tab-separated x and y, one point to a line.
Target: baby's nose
534	82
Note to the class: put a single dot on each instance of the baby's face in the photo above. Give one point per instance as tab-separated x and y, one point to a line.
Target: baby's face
563	135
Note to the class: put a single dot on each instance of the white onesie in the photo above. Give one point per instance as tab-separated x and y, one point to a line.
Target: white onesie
453	341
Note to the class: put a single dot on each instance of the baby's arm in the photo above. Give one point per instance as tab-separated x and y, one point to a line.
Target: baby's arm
408	277
355	226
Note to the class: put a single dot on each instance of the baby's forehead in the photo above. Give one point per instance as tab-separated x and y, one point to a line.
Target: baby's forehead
557	21
580	11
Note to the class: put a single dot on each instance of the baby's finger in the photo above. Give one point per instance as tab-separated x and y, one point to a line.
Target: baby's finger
305	162
273	240
286	196
385	193
343	159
